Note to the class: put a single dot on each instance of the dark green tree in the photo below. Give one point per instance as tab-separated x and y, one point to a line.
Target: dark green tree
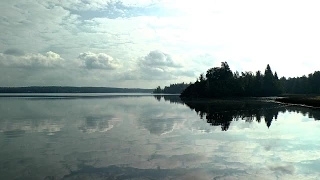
158	90
222	82
257	84
270	87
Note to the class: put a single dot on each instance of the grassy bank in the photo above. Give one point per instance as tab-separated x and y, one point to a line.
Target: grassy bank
307	100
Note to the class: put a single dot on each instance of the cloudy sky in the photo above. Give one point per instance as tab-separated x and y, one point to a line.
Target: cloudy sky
145	43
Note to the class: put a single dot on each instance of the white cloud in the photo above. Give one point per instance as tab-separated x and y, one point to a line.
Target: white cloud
98	61
95	5
247	34
47	60
86	5
157	65
35	26
158	59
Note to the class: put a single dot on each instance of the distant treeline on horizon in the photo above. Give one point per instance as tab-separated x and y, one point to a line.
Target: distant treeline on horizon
172	89
222	82
70	89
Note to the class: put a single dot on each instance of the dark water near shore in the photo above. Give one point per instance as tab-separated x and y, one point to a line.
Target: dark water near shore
156	137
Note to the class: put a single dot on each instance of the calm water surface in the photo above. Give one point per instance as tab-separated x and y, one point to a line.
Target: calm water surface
156	137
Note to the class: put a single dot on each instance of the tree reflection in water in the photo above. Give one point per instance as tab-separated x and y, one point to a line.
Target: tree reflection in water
221	112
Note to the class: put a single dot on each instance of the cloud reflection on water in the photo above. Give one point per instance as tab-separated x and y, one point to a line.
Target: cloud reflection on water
142	137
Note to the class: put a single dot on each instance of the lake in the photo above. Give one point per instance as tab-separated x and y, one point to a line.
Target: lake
141	136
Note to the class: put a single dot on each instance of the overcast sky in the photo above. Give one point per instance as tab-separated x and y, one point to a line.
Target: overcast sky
145	43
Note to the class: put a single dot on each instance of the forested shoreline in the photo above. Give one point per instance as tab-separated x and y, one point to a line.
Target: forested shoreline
172	88
223	82
70	89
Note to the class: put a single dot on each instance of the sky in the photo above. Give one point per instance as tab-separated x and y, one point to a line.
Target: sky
146	43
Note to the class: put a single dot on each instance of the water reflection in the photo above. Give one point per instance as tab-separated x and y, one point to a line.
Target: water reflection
221	112
156	137
98	124
169	98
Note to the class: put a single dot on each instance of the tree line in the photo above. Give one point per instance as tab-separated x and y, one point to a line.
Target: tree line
223	82
70	89
302	85
177	88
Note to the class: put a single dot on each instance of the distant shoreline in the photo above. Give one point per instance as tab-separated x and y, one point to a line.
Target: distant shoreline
71	89
79	95
71	95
